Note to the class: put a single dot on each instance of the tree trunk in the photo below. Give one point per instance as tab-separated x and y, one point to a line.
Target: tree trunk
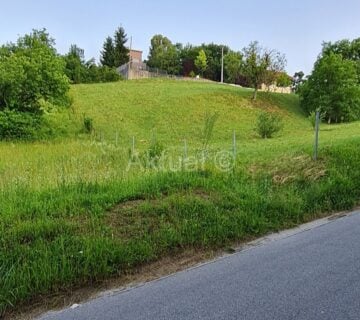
255	94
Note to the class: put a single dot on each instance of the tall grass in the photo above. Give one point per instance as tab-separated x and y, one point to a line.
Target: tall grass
70	212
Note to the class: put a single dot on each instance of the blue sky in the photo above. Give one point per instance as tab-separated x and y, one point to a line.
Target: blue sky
296	28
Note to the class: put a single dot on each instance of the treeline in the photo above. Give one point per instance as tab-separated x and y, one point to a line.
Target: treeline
114	54
206	60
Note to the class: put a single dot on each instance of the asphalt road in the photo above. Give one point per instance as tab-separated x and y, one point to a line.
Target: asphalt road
302	274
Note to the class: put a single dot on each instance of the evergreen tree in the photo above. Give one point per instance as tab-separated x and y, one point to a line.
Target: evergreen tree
108	53
121	55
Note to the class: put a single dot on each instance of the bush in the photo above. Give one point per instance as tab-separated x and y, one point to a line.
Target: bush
20	125
268	124
151	157
88	125
30	72
107	74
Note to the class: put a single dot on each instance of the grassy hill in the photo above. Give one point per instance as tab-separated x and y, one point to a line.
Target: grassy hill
72	211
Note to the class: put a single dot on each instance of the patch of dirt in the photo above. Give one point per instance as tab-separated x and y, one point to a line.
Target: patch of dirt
126	220
135	218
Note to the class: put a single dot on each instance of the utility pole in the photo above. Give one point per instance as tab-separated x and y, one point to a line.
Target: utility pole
129	64
222	64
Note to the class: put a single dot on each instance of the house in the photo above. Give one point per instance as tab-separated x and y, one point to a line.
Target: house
135	68
135	56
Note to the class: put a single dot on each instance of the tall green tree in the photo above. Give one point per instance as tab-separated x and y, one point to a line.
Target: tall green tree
75	64
214	54
349	50
188	54
201	62
32	74
233	65
121	55
333	89
164	55
108	53
261	65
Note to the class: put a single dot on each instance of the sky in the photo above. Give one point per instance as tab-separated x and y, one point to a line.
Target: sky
295	28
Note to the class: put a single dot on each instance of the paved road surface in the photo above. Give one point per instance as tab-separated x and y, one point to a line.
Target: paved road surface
307	274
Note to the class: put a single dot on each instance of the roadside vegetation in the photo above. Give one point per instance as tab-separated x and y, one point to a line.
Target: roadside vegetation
71	213
119	174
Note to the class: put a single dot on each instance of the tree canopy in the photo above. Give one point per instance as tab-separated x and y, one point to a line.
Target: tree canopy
164	55
261	65
32	74
201	62
233	66
108	53
121	54
333	89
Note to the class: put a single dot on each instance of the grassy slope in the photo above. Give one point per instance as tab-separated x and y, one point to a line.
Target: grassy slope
70	214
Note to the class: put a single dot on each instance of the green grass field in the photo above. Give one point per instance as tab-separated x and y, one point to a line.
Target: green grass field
71	213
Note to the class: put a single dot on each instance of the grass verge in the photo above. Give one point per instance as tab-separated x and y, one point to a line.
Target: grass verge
54	239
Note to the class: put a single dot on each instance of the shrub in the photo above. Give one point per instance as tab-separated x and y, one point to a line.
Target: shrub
30	72
88	124
151	157
107	74
268	124
20	125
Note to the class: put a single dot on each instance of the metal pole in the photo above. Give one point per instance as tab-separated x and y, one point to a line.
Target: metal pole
222	64
317	126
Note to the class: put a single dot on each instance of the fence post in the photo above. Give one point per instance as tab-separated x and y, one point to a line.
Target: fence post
133	146
234	145
317	126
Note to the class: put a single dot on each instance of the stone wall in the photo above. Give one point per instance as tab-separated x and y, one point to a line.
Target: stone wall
276	89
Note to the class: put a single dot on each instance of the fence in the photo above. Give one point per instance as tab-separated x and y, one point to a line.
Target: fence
134	70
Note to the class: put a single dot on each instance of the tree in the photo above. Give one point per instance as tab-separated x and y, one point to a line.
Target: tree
333	89
298	80
108	53
32	75
187	55
164	55
214	54
75	64
201	62
261	65
232	66
349	50
121	55
283	80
